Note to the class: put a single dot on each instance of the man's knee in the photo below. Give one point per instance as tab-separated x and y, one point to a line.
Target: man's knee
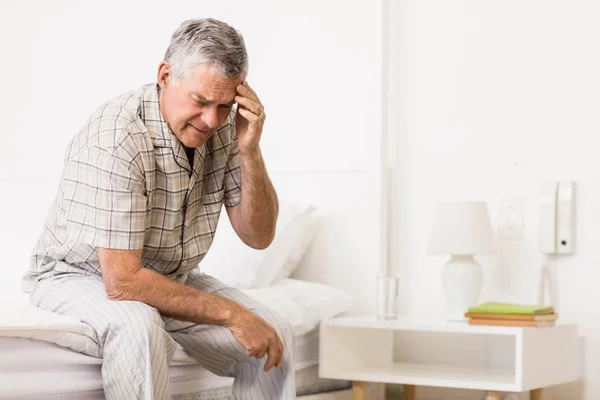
283	327
134	317
287	335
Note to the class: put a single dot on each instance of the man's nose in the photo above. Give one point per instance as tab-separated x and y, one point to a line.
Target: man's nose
210	117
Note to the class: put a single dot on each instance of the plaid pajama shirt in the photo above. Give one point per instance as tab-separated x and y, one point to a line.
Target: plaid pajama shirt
127	184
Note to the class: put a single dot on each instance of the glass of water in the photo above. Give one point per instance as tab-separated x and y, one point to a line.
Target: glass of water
387	296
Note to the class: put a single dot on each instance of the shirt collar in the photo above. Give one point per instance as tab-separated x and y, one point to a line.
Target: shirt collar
152	117
159	130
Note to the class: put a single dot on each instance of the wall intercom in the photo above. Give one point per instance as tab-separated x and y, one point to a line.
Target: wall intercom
556	225
556	228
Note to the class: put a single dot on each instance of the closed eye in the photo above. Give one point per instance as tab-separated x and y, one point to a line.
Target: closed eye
202	102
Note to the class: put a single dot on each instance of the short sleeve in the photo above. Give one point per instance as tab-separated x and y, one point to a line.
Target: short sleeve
104	199
233	176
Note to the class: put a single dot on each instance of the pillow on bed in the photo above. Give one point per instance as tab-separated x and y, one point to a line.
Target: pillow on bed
304	304
238	265
298	225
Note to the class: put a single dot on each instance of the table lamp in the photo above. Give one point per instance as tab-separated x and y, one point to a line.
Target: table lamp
461	230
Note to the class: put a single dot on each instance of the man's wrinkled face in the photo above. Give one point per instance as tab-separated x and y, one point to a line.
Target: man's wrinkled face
197	104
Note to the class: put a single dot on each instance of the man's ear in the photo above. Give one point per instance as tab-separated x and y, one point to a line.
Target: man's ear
164	75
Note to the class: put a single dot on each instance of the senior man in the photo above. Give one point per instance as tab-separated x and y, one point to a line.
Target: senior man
142	190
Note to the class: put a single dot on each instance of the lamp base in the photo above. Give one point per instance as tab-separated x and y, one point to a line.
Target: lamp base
462	278
450	317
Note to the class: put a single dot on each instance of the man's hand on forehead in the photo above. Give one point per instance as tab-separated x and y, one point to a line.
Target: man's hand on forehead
250	118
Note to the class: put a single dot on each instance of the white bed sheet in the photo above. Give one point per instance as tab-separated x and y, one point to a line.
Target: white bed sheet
33	369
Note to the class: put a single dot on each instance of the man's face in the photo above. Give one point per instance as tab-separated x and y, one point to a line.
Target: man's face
196	105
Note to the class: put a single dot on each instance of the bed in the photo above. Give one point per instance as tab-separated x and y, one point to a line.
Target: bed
40	352
34	369
41	358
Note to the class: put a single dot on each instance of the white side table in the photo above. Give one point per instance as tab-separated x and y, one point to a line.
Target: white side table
361	349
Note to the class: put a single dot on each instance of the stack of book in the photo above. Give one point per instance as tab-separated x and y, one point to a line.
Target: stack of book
508	314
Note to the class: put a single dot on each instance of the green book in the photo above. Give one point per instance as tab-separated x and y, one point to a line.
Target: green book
510	308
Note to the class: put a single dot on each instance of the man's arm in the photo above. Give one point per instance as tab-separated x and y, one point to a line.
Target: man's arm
126	279
254	218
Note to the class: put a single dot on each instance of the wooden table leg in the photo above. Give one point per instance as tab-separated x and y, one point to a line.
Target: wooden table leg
536	394
359	390
410	392
493	395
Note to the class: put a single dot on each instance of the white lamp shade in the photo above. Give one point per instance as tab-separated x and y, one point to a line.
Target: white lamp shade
462	228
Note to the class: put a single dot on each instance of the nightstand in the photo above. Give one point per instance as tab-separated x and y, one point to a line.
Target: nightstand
361	349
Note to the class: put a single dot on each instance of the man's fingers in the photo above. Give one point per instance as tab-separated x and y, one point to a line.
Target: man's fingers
258	352
252	353
249	104
246	91
276	343
273	353
261	354
281	348
247	86
248	115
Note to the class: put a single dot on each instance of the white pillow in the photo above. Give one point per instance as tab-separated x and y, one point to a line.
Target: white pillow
234	263
304	304
298	226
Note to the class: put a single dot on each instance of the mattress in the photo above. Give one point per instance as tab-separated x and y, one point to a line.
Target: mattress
303	303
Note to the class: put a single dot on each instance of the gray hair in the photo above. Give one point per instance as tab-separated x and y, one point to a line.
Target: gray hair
207	40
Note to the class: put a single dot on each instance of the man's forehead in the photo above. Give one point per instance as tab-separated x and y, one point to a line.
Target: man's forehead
213	90
221	97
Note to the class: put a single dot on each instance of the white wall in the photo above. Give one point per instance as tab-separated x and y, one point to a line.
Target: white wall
316	66
492	98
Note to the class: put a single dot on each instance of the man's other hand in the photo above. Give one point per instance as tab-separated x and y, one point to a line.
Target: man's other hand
257	337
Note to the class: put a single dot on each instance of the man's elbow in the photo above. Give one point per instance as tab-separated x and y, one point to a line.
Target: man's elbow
261	245
119	289
121	273
261	242
117	294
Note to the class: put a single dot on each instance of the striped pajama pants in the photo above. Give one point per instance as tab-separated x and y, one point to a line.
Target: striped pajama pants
137	344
